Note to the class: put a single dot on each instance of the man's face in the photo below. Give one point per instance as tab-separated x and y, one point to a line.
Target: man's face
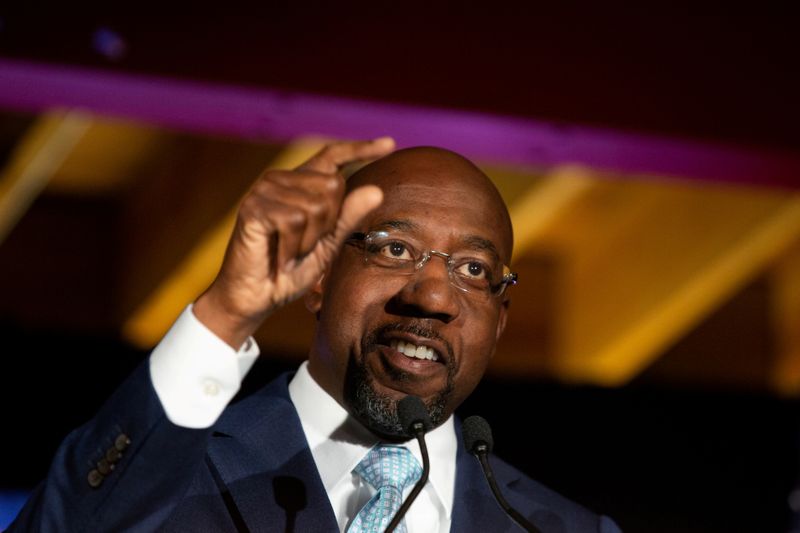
371	318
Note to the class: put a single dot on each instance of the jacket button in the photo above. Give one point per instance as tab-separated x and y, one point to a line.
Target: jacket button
95	479
104	467
112	455
122	442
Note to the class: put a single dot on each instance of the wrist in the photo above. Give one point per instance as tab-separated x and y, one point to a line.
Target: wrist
231	327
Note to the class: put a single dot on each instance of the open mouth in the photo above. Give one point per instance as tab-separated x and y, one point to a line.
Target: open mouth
409	350
416	351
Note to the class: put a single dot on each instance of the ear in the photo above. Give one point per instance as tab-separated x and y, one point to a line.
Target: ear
313	296
502	318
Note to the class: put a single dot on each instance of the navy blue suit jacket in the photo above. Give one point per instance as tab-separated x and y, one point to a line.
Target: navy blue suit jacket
251	471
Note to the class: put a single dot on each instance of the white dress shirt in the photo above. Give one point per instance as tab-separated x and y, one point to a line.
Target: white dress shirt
195	375
338	443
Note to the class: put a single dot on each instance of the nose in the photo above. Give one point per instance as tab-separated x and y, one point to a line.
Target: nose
428	292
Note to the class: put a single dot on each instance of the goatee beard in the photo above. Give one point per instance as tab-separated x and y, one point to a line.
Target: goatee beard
377	411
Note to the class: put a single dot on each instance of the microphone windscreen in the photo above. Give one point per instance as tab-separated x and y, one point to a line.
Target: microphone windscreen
411	410
476	430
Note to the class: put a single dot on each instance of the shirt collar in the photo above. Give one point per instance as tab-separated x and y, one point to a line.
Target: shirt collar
338	442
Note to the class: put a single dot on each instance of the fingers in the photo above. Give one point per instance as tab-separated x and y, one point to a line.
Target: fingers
303	206
336	155
358	204
296	210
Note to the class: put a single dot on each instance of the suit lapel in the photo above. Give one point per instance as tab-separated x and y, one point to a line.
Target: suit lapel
262	459
474	506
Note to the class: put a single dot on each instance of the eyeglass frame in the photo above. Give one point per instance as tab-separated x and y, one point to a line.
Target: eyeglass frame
509	277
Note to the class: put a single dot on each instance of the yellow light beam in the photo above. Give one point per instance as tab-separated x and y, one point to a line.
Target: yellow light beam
785	285
623	358
195	273
545	201
109	156
35	160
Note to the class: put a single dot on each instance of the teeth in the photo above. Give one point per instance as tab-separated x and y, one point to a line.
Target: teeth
412	350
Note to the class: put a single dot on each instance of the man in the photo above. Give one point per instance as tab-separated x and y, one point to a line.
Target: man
405	268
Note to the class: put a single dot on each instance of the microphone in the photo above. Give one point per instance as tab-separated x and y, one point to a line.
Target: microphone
415	421
478	441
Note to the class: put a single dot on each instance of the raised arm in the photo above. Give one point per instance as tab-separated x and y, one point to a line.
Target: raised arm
289	228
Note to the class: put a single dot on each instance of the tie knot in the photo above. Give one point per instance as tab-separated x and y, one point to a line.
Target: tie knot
389	466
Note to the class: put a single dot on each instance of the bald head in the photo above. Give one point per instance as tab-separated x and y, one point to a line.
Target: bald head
445	172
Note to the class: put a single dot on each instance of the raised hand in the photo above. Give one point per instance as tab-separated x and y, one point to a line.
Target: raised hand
290	226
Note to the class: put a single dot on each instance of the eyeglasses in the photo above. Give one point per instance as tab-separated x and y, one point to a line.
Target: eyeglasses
480	275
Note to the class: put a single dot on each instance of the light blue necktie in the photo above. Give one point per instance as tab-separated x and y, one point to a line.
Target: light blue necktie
389	469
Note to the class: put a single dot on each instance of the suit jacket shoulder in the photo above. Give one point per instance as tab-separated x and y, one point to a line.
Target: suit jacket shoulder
475	508
126	469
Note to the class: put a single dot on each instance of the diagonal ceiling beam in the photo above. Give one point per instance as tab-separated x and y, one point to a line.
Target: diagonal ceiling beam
35	160
785	278
629	307
541	205
110	156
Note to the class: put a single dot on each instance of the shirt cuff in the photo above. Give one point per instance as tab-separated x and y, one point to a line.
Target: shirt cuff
195	373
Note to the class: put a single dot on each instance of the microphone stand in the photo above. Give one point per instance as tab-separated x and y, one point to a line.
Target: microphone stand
419	432
481	451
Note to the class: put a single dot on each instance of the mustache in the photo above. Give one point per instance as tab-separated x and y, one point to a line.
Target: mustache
420	329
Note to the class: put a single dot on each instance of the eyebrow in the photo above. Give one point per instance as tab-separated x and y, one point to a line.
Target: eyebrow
482	244
474	241
400	224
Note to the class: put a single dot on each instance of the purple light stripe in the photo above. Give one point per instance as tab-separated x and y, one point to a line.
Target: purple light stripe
281	116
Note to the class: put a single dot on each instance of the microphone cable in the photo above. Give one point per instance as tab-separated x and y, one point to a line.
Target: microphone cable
416	422
478	441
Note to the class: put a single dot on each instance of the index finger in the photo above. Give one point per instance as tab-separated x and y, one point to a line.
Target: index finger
336	155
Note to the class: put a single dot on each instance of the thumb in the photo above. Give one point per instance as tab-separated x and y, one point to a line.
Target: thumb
358	204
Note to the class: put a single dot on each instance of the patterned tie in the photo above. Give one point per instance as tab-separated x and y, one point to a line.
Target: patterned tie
390	469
